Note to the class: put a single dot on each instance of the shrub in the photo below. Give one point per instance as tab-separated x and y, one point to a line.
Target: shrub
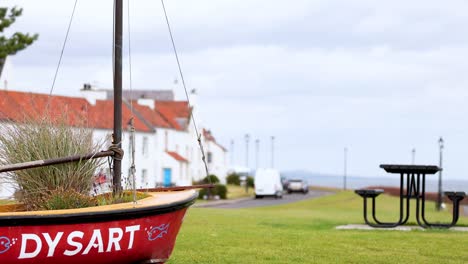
123	197
210	179
46	139
219	190
250	181
233	178
65	199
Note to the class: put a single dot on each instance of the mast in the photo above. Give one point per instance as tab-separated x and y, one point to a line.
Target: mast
118	25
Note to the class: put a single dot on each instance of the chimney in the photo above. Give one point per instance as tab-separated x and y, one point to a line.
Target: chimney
146	102
92	95
86	87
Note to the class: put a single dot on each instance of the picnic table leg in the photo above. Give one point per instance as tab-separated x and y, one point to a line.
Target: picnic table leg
418	197
407	196
455	210
373	211
400	220
365	212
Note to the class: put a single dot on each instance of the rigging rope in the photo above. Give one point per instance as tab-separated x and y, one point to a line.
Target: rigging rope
61	54
132	157
186	93
132	127
130	57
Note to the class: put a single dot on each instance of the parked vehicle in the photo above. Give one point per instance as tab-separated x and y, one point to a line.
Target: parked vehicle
268	183
284	182
298	185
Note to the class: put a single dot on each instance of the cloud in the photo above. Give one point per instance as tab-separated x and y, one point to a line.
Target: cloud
378	77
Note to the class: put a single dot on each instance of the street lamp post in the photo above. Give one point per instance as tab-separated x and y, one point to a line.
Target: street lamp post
257	151
232	152
272	152
413	155
345	172
247	138
439	194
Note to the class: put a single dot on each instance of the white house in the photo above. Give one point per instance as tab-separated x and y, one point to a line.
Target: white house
166	148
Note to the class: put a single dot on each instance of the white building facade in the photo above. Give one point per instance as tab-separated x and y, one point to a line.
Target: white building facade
166	147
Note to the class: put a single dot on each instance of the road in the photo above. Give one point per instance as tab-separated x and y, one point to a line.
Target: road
266	201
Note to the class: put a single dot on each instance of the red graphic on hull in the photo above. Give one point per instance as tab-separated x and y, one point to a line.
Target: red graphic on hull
119	241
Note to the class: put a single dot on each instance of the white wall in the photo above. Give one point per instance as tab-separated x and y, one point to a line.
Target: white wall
156	159
176	142
144	162
218	163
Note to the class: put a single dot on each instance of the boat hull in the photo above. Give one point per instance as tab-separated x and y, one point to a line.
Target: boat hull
134	235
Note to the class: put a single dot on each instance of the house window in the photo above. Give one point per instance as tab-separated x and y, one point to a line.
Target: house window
166	140
131	139
144	178
145	146
209	157
108	140
130	179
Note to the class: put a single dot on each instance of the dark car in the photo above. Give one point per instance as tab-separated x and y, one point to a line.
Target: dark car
298	185
284	182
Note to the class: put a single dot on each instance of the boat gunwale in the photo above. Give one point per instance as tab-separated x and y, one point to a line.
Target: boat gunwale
95	216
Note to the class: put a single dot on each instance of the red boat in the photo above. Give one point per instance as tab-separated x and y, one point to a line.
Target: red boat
121	233
142	232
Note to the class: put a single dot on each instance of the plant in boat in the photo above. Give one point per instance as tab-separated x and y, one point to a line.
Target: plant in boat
45	139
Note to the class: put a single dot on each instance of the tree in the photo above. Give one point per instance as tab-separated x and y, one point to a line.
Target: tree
18	41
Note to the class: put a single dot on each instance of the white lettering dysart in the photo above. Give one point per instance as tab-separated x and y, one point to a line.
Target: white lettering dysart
27	238
78	246
132	230
114	241
52	243
73	243
95	241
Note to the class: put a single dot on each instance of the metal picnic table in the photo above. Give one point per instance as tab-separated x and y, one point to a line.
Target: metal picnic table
412	186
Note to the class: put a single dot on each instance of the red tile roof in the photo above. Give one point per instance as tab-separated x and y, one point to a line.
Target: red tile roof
171	111
209	137
177	108
102	116
152	116
176	156
21	106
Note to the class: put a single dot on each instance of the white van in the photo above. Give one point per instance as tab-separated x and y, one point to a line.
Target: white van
268	183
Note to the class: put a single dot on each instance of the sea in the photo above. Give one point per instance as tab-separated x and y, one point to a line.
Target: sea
354	182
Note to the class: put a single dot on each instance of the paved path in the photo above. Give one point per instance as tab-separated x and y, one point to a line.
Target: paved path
266	201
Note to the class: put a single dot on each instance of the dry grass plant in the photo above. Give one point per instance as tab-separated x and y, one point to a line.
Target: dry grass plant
46	139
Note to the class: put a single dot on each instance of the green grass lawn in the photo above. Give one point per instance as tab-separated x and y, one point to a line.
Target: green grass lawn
236	192
4	201
304	232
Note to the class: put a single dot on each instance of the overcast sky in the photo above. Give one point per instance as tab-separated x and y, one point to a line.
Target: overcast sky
377	77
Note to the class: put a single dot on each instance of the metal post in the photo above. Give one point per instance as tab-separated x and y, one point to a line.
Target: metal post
117	168
345	172
232	152
439	194
413	155
272	152
257	150
247	138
